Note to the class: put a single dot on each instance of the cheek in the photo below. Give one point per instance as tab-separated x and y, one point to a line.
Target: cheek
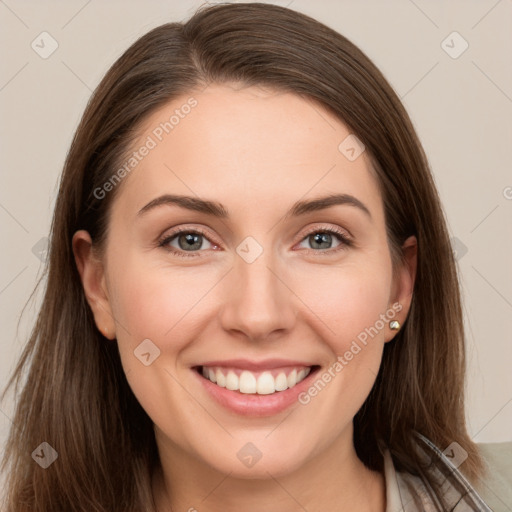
153	301
157	304
352	304
355	339
349	301
342	304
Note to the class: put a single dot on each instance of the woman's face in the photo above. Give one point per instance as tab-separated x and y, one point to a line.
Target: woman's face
262	286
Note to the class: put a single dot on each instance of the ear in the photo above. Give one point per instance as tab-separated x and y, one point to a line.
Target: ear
403	285
92	274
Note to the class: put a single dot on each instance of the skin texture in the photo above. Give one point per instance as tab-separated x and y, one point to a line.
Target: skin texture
257	152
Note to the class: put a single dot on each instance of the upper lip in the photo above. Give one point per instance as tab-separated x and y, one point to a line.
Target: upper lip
246	364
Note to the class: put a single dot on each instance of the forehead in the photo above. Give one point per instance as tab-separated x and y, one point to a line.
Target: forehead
246	147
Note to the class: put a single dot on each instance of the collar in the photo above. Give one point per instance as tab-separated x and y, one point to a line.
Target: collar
411	493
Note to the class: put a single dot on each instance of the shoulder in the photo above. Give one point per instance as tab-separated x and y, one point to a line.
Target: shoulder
410	493
497	487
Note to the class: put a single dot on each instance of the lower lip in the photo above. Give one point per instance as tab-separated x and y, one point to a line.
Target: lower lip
254	404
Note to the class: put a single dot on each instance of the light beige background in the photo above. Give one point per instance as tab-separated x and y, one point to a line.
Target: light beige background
461	107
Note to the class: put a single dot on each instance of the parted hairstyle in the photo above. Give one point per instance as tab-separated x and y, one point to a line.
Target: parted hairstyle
69	384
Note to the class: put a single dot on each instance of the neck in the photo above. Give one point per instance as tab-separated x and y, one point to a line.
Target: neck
334	479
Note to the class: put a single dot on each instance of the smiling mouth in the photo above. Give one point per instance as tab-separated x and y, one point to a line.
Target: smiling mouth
256	383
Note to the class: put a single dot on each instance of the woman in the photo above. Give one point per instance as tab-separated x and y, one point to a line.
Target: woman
251	300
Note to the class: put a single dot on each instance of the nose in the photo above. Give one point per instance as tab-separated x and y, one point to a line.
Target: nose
257	300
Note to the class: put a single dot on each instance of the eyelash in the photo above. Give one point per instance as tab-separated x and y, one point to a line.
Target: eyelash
343	238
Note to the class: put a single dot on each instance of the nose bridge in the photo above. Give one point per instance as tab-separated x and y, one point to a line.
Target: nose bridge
257	301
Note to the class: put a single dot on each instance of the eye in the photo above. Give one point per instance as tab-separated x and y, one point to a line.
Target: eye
187	240
323	238
191	241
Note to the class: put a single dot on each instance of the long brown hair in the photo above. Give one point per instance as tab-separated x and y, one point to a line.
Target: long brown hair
74	392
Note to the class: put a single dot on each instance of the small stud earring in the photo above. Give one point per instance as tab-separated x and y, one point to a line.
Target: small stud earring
394	325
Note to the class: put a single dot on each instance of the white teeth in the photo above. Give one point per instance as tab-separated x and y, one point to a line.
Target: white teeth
221	380
247	382
281	382
263	384
292	379
232	381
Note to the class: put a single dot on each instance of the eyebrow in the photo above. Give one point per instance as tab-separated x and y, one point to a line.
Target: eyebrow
216	209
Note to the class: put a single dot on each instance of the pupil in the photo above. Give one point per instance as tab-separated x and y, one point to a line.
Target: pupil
322	238
191	241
